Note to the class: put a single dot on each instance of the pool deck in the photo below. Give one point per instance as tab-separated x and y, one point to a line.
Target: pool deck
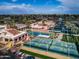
40	30
49	54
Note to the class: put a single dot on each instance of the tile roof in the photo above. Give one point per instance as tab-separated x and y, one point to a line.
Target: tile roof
13	31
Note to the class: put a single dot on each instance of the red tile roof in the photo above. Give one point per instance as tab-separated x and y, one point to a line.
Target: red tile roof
13	31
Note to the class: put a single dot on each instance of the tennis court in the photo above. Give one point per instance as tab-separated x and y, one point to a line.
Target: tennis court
60	47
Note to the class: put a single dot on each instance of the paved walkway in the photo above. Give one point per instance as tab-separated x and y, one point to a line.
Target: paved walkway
50	54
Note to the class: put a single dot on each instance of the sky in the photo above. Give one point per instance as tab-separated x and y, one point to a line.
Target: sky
39	6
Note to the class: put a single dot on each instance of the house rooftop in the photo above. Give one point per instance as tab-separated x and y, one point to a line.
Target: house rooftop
20	26
13	31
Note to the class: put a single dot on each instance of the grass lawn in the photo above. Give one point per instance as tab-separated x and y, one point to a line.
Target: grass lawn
37	55
71	39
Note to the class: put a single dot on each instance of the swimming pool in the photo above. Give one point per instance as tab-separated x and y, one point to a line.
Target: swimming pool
38	33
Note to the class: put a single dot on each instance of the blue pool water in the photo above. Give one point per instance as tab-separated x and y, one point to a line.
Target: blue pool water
37	33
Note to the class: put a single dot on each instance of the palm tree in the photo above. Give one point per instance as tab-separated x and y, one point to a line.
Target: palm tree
44	22
27	21
10	22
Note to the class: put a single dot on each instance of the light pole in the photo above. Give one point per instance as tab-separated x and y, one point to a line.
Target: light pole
67	41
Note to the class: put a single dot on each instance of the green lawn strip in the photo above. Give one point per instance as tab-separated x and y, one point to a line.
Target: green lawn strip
71	39
37	55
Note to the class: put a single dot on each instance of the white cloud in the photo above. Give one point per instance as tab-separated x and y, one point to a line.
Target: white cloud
70	4
65	6
12	6
27	8
16	8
